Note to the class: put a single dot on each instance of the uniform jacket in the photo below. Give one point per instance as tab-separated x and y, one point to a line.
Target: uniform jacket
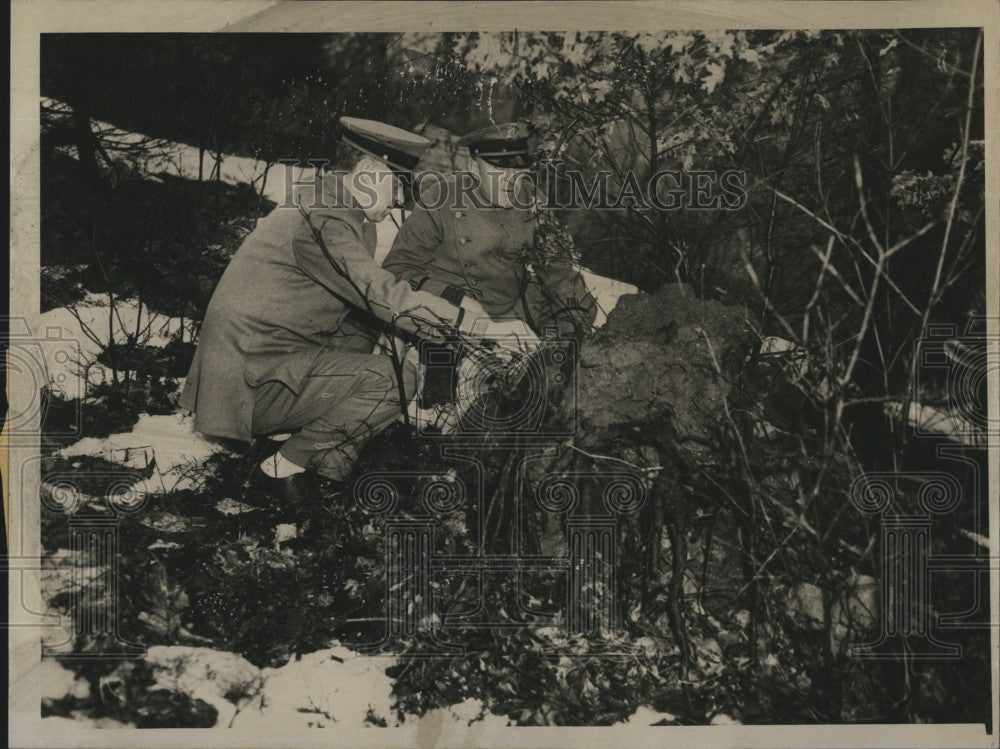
452	248
280	301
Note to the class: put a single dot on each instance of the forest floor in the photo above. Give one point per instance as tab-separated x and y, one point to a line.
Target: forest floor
253	614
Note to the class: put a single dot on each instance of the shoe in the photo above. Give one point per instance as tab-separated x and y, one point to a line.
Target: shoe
295	491
285	494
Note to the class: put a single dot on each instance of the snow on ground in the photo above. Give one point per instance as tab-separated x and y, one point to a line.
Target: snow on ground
74	336
647	716
168	440
926	419
795	359
181	159
606	292
326	688
331	688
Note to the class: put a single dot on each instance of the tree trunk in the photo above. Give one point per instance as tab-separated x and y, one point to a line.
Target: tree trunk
77	89
85	147
260	198
111	334
218	184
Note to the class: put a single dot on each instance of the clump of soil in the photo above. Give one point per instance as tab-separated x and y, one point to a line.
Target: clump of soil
665	359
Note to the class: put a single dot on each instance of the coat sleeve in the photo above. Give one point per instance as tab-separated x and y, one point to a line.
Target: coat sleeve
416	244
329	249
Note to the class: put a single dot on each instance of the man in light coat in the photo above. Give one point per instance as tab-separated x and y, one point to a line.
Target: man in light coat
280	348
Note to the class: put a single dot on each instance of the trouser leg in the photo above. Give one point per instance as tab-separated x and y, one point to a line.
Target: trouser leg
346	399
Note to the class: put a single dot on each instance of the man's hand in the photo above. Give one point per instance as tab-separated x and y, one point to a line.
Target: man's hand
511	335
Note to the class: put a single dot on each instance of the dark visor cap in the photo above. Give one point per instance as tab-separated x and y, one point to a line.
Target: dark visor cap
400	149
503	145
509	161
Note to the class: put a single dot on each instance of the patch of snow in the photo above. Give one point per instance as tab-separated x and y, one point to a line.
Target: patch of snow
607	292
230	506
56	639
472	710
724	720
330	688
161	544
777	345
223	680
285	532
182	160
795	361
168	522
74	336
169	439
64	572
57	682
467	723
647	716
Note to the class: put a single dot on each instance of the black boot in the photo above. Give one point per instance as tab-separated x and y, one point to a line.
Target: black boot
299	490
287	494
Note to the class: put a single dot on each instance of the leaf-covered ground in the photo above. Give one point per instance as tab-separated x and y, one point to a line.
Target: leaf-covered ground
206	570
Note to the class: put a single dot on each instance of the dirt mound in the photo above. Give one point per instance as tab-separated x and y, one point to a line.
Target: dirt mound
665	361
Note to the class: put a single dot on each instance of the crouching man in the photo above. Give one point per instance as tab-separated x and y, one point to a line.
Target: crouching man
276	353
470	232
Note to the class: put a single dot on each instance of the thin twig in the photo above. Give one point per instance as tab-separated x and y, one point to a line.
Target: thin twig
650	470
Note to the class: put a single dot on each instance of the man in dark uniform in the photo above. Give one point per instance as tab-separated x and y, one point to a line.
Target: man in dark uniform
468	235
274	352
